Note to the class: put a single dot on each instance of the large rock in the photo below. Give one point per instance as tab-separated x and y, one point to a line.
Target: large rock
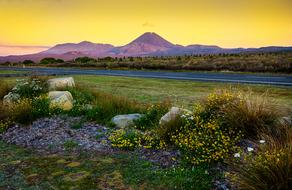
61	99
286	120
173	113
10	98
123	121
60	83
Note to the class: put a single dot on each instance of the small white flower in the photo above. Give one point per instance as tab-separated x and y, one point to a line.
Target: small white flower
262	141
249	149
237	155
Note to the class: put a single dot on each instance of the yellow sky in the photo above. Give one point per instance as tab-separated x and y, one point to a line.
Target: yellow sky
227	23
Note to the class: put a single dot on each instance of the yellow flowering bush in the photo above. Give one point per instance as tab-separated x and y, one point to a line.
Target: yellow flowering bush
150	139
204	142
4	124
130	139
204	138
212	106
126	139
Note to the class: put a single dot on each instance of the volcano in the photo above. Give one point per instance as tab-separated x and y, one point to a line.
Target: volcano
148	44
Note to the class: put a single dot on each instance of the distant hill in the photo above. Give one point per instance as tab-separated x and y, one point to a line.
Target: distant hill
148	44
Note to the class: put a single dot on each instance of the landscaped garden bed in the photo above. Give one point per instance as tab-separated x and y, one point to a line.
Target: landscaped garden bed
228	140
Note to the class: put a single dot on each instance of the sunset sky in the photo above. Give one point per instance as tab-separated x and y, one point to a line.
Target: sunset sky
31	25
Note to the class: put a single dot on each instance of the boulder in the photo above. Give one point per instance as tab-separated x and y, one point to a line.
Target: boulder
172	114
123	121
286	120
61	99
60	83
10	98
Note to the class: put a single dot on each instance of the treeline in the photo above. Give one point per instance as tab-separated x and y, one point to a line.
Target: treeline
245	62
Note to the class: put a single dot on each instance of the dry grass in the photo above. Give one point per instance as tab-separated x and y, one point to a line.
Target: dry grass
270	167
251	114
4	89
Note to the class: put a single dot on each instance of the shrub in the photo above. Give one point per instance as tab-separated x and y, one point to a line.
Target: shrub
85	60
28	61
239	112
211	107
203	137
152	116
82	101
41	107
269	167
204	142
151	140
51	60
29	88
4	125
126	139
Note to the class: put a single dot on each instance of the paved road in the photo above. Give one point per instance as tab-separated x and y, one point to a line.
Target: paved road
280	80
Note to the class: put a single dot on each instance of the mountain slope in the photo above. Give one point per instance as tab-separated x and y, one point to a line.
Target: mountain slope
148	44
83	47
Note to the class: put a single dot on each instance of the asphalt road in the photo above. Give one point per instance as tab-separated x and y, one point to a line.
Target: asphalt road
279	80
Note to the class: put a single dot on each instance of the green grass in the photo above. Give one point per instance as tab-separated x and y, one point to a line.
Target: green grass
23	169
181	93
11	72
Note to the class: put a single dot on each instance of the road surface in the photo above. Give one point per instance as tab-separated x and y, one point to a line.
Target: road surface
279	80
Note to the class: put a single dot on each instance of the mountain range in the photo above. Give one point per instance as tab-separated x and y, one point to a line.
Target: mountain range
148	44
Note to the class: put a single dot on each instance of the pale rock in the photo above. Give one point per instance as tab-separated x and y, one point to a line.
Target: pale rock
61	99
173	113
122	121
10	98
61	83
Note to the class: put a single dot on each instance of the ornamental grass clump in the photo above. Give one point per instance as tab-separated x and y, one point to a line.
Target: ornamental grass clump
4	89
21	112
268	166
252	115
106	106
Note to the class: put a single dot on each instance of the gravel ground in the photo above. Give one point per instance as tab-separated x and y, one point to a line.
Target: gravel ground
57	134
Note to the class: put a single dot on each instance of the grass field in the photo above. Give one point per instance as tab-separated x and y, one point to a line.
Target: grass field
181	93
11	72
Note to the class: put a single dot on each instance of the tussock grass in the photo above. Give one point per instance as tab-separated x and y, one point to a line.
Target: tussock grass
270	167
251	114
104	105
4	89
